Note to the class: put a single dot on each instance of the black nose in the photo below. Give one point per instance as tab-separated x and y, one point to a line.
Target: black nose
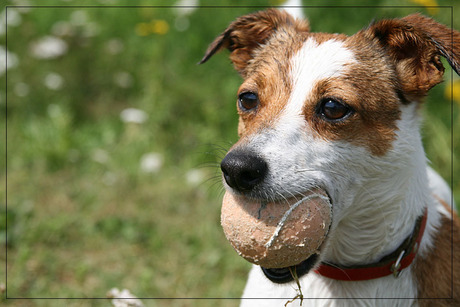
243	170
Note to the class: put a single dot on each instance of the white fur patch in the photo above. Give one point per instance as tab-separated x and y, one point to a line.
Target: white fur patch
312	63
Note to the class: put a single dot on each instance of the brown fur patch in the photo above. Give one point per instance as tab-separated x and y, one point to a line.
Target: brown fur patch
438	272
369	87
269	76
247	33
446	41
415	44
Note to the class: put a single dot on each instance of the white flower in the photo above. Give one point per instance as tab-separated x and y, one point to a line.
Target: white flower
181	23
151	162
53	81
90	29
12	16
48	47
123	298
12	60
292	7
185	7
132	115
114	46
109	179
195	176
76	24
54	111
100	156
123	79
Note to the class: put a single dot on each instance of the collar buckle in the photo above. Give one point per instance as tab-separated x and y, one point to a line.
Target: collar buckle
396	267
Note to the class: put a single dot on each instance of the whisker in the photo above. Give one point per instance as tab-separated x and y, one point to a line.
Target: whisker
209	165
212	152
342	175
221	192
212	182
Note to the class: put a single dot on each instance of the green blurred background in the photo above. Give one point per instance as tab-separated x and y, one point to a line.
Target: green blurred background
114	137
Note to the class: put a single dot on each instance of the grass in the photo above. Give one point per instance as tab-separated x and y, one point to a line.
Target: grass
83	216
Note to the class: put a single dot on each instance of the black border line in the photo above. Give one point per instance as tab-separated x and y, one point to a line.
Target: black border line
235	6
452	156
219	7
6	153
229	6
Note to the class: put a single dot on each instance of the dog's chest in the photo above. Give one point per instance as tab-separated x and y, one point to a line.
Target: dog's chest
320	291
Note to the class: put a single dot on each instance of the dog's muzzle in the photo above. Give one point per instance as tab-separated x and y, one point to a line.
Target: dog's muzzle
244	171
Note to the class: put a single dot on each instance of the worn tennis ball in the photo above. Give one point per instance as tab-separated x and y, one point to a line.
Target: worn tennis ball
276	234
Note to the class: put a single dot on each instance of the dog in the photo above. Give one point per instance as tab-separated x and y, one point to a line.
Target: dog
342	113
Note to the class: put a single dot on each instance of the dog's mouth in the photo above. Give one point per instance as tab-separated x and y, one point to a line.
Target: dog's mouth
290	273
284	275
284	238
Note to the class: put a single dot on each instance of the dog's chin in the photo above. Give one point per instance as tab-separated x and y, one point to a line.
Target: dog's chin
284	275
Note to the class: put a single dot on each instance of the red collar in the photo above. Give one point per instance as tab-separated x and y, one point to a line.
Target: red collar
391	264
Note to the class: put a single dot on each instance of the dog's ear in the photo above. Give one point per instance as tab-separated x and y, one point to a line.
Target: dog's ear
415	44
248	32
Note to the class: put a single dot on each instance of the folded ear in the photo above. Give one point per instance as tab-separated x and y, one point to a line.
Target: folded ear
248	32
415	44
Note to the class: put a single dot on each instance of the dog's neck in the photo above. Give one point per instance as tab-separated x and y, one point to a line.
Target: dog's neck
383	208
371	229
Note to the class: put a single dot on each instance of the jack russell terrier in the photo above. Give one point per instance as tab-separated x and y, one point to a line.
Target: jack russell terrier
342	113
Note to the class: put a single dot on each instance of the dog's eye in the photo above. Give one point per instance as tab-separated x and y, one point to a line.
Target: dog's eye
333	110
248	101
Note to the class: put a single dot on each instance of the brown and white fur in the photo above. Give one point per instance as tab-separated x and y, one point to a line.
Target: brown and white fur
370	161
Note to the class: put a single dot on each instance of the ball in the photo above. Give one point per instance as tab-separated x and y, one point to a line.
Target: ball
276	234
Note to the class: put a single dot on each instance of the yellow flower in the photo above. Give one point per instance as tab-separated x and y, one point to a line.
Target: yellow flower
429	4
159	26
156	26
452	91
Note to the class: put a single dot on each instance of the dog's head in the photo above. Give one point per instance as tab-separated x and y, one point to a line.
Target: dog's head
330	111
